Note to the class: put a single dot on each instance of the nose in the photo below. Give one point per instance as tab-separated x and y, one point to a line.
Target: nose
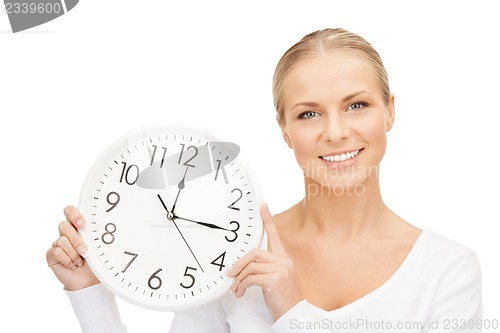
335	128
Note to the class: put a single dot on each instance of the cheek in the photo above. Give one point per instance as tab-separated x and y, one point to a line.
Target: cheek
303	142
373	130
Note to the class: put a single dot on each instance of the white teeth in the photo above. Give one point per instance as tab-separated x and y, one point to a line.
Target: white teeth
341	157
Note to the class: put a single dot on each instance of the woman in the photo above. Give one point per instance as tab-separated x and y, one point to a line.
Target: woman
340	259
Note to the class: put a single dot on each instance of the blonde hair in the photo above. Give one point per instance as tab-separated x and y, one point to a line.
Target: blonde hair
316	44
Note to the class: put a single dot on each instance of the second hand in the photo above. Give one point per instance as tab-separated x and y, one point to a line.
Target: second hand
172	217
189	247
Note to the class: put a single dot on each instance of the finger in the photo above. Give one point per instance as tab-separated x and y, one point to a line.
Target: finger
74	216
253	268
56	255
64	243
261	280
255	255
276	245
68	231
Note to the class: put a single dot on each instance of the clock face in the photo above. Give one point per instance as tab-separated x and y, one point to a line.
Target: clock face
168	211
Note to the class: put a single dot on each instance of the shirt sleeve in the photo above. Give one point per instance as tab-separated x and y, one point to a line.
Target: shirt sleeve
209	318
457	307
96	310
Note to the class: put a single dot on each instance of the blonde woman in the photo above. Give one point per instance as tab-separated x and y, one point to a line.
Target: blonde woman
339	260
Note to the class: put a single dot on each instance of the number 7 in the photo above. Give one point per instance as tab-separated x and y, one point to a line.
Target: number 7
134	255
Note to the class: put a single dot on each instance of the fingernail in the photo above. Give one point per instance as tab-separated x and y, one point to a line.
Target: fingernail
81	250
229	271
80	224
79	262
266	212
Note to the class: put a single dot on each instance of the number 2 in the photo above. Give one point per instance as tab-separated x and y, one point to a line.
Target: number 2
231	206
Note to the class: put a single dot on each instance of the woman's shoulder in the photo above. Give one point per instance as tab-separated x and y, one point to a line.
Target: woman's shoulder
440	252
436	242
447	266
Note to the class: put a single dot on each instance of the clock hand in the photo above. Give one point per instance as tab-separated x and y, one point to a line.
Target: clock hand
181	185
172	217
189	247
163	204
210	225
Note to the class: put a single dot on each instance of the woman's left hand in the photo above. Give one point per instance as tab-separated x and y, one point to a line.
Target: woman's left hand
273	271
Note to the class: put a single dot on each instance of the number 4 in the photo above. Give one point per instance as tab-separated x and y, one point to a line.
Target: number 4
221	258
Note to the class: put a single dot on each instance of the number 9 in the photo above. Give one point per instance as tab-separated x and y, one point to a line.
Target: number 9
114	202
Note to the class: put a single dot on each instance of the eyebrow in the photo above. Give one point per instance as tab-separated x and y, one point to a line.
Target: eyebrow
308	104
345	99
348	97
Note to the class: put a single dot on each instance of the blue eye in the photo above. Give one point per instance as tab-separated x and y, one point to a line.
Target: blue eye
356	106
308	114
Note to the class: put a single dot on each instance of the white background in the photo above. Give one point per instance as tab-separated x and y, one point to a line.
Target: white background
72	86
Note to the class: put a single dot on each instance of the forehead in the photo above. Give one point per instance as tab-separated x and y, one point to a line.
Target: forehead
329	76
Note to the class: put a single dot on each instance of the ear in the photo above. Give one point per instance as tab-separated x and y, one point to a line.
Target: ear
286	137
391	114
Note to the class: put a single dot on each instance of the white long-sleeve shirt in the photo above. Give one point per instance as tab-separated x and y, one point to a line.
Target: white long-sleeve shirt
436	289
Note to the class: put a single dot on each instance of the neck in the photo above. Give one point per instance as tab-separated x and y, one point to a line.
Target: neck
345	213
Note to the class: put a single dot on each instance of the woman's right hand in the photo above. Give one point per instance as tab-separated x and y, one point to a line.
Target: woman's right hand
65	257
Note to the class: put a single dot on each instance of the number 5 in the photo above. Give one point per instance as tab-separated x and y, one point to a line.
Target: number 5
191	276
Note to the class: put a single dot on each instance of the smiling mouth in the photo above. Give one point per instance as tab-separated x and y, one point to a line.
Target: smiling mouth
341	157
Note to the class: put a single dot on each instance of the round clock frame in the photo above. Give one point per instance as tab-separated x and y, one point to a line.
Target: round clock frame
169	208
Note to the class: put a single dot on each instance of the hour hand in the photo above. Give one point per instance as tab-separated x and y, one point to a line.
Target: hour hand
205	224
163	203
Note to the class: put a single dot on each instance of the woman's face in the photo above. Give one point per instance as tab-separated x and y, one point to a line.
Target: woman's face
336	119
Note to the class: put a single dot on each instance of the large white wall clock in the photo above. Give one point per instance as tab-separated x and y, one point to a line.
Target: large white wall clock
169	209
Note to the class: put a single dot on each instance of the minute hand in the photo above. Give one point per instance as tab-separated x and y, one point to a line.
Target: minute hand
210	225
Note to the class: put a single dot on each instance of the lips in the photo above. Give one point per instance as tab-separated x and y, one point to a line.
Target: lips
340	157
